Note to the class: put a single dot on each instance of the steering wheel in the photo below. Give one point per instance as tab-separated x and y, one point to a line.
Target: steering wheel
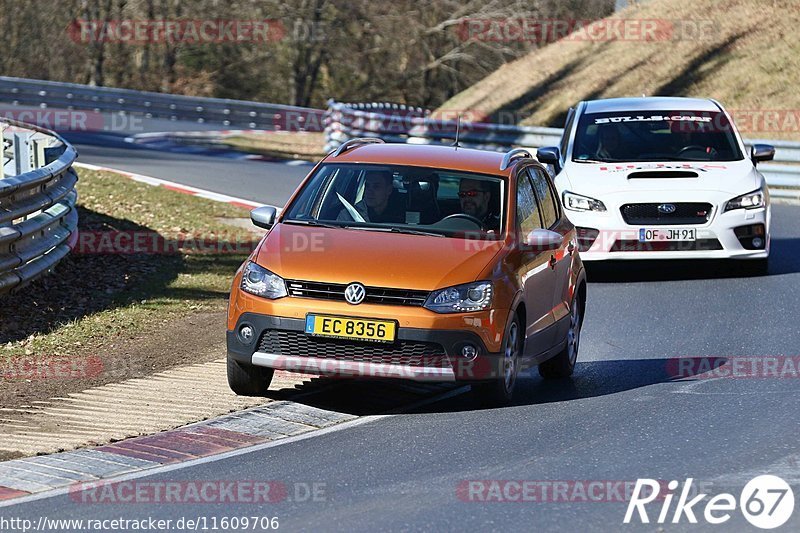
692	147
465	217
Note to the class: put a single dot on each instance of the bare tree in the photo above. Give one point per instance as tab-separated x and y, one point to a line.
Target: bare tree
95	11
409	51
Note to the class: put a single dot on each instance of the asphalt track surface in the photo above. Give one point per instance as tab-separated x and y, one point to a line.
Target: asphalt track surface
263	181
626	414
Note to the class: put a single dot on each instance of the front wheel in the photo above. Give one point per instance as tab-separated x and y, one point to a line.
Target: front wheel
248	380
563	364
500	390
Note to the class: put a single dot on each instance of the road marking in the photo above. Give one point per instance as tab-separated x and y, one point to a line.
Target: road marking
286	409
199	461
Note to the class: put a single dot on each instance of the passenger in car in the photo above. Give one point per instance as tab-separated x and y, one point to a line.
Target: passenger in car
608	143
381	203
475	200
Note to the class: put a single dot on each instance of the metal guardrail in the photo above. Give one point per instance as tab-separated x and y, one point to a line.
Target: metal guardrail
38	219
239	113
395	123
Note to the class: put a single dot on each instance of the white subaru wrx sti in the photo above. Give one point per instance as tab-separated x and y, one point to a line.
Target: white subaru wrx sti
661	178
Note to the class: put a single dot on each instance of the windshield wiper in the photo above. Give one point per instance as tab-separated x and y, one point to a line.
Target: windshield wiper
314	223
591	161
317	223
397	230
417	232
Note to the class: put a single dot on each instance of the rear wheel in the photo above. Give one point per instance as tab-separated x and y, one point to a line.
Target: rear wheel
563	364
248	380
500	390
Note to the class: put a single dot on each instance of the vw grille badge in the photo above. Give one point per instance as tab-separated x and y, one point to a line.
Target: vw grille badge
355	293
667	209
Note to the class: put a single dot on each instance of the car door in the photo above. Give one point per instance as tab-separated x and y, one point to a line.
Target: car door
560	260
535	273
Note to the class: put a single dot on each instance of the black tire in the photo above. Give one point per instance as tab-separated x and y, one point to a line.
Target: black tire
500	390
563	365
248	380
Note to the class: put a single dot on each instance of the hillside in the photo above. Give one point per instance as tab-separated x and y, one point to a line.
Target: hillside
747	57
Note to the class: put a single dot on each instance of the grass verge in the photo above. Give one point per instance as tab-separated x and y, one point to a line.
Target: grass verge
96	318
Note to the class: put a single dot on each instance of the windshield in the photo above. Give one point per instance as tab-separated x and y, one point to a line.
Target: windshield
401	199
655	136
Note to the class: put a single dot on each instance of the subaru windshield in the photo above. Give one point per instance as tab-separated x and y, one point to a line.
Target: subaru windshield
401	199
640	136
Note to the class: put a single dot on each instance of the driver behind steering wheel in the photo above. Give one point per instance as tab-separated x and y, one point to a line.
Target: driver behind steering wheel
475	198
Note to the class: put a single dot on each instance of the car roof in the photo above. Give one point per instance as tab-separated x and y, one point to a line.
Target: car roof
651	103
429	156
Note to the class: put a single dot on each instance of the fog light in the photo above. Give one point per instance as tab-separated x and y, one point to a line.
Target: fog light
586	238
469	352
752	237
246	334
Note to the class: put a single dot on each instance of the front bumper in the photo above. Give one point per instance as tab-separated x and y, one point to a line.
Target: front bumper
716	239
417	354
344	368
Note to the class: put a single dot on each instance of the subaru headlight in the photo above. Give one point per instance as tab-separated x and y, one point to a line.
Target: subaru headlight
461	298
751	200
576	202
261	282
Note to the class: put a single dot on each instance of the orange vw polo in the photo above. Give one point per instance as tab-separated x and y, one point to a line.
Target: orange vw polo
426	263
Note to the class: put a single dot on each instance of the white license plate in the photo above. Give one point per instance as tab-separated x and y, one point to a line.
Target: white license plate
667	234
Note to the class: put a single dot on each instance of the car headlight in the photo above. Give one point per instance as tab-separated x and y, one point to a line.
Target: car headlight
576	202
261	282
461	298
751	200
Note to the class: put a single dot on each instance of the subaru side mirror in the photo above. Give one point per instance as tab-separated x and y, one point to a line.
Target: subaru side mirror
762	152
550	155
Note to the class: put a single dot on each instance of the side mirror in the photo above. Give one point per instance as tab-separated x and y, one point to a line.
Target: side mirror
540	240
263	217
762	152
550	155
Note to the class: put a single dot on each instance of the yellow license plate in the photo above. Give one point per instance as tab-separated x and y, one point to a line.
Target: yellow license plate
341	327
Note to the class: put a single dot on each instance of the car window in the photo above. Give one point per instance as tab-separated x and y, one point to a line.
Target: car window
528	216
637	136
547	200
321	185
402	197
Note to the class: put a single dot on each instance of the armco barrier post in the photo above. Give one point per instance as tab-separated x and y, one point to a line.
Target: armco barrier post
22	153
